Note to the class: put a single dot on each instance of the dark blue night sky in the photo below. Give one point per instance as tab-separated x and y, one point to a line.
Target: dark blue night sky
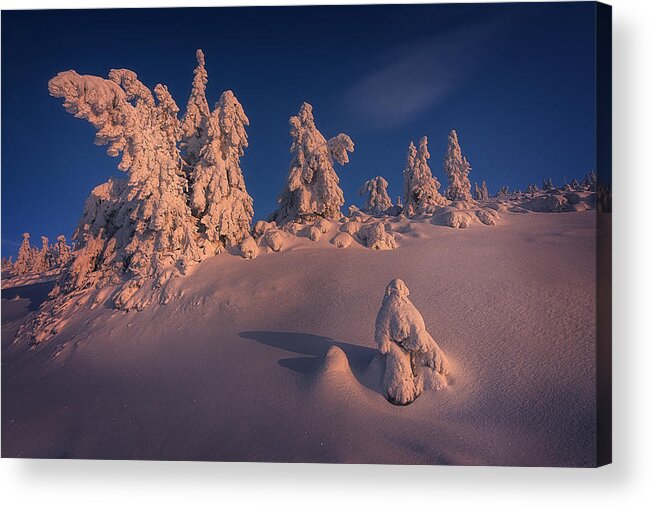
516	81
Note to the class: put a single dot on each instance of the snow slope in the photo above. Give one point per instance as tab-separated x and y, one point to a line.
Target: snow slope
273	359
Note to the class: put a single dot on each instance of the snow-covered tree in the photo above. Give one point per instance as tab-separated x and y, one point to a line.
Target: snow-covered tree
152	231
532	189
547	184
25	261
313	185
481	192
195	124
457	168
421	189
413	360
43	257
378	200
503	192
61	251
219	198
7	264
590	181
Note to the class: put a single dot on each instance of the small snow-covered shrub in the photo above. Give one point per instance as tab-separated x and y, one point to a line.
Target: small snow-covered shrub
413	360
574	197
485	217
322	225
457	219
350	227
556	203
342	240
292	228
579	207
313	233
376	237
497	206
261	226
274	239
249	248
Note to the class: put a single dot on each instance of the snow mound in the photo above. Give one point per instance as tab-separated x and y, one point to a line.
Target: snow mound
350	227
322	225
342	240
274	239
262	226
314	233
249	248
376	237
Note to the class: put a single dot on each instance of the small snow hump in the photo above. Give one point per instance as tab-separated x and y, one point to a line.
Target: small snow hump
413	360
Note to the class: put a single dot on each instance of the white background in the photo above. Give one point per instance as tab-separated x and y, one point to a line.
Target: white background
626	482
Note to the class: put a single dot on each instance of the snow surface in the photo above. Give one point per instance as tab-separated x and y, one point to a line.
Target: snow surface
256	360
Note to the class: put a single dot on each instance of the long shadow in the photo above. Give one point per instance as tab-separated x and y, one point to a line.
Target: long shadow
36	293
314	348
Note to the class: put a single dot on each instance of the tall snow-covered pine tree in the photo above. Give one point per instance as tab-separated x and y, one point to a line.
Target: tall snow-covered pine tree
312	185
420	188
457	168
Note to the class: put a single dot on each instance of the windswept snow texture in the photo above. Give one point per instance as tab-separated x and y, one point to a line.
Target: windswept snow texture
274	359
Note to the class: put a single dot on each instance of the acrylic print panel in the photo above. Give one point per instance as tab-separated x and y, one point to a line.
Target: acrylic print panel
347	234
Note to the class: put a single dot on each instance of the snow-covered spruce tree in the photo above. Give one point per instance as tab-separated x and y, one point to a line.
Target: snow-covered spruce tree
219	198
312	185
420	188
503	193
547	184
195	124
590	181
457	168
413	360
25	260
43	257
378	200
7	264
481	192
61	252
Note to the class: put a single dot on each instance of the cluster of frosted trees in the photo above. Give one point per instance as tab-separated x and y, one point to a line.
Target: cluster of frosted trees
34	260
183	198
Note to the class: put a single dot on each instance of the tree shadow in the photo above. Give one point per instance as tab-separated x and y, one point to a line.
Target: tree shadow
35	292
314	349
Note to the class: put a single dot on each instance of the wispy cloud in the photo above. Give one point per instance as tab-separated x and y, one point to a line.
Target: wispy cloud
412	79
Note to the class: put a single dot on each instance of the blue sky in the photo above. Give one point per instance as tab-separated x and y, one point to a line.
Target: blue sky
515	80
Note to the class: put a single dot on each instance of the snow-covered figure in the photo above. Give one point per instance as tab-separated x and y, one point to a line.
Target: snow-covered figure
413	360
378	200
421	189
25	260
312	185
219	198
457	168
61	251
481	192
194	127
